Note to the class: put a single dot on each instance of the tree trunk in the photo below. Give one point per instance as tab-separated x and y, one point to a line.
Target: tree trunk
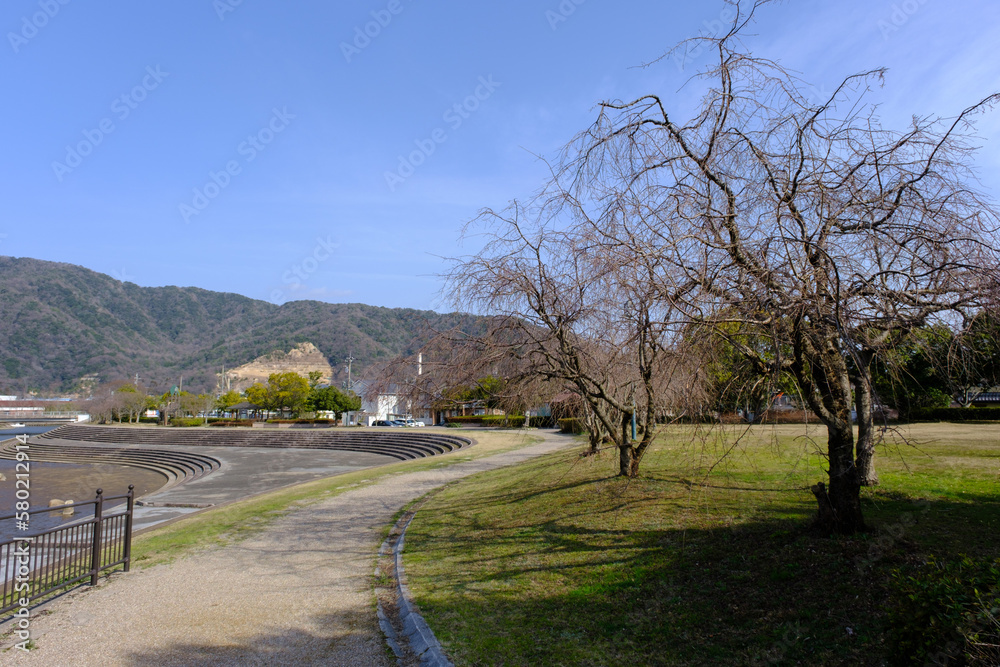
840	504
865	447
825	377
596	437
629	453
629	458
633	470
595	432
626	461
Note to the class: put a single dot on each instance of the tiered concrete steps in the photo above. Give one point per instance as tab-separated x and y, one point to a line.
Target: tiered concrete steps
176	466
405	445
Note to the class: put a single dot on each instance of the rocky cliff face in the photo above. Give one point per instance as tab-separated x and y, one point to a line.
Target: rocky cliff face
302	359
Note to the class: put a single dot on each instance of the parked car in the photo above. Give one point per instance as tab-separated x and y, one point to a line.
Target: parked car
385	422
413	422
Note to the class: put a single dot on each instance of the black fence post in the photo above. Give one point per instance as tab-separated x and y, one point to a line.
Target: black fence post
95	560
128	526
62	551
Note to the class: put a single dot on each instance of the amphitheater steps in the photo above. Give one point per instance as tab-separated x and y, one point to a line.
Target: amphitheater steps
403	446
138	447
176	466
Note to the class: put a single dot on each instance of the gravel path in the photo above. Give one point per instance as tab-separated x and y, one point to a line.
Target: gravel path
298	593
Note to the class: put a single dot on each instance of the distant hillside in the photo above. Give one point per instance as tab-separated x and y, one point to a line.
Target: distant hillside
60	323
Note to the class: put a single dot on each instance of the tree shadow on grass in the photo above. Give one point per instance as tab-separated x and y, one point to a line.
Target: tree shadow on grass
765	591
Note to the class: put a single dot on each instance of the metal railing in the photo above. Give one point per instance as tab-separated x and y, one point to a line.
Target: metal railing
34	566
15	413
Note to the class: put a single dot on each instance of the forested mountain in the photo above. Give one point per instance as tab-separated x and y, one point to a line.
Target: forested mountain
60	323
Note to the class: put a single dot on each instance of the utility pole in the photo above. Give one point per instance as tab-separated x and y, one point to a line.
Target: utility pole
350	360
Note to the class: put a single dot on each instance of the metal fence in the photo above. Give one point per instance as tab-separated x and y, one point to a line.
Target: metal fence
34	566
31	415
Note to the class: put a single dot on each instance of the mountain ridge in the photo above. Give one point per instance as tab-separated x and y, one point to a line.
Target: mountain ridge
61	323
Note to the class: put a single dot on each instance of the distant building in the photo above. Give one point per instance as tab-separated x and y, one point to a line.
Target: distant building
784	402
387	405
987	399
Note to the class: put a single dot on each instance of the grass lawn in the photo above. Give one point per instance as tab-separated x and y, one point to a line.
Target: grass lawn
707	559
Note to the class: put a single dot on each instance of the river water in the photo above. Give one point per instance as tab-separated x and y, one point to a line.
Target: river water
64	481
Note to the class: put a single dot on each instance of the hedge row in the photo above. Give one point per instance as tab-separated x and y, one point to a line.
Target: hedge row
466	419
302	421
517	421
789	417
232	422
504	421
186	421
572	425
577	426
955	414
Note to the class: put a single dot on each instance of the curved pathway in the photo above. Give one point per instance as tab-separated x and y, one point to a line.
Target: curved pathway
298	593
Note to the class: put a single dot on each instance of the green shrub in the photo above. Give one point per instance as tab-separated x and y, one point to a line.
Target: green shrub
955	414
572	425
789	417
301	421
452	425
946	613
504	421
232	422
149	420
516	421
466	419
186	422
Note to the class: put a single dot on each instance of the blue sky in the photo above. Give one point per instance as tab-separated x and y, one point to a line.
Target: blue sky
244	146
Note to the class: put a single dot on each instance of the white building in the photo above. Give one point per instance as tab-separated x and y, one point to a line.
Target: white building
384	407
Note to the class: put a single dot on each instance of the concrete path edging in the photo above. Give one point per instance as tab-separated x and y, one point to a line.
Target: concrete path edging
417	635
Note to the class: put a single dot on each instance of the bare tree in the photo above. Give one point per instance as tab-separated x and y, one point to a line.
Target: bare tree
567	314
101	406
133	403
802	219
